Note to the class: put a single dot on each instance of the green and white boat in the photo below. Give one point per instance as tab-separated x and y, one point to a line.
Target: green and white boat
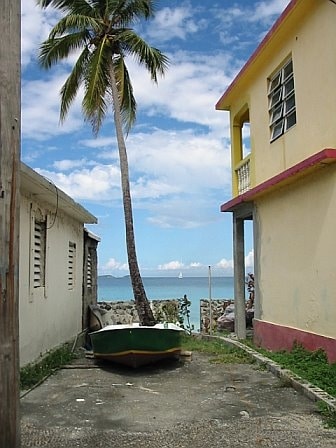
134	345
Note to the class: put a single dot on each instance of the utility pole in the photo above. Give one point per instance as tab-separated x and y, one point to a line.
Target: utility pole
10	26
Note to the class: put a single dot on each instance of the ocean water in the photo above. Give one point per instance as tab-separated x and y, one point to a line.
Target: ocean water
112	289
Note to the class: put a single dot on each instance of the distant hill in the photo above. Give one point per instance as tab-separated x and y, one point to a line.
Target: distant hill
112	276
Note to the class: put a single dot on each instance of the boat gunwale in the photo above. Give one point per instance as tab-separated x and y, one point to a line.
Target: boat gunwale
136	327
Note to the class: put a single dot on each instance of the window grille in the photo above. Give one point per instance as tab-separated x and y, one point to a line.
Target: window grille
281	100
39	253
89	270
71	265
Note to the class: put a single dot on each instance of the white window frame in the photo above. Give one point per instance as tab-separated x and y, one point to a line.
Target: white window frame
38	234
281	94
39	253
71	265
89	269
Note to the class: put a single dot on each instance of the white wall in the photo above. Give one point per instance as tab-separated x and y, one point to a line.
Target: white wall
52	315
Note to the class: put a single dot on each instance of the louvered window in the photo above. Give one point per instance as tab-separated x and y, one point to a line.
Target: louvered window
89	270
39	253
281	101
71	265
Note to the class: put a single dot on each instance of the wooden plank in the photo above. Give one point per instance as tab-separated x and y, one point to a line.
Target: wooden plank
9	222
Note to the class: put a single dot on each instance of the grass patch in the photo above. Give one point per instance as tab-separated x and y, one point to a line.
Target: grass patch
311	366
223	353
32	374
328	414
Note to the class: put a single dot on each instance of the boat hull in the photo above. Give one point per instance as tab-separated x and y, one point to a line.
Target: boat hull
135	345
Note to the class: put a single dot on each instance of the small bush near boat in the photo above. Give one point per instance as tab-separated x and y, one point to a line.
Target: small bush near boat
184	314
175	311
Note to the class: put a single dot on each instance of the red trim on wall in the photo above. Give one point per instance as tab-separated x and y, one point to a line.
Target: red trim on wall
258	50
327	155
278	337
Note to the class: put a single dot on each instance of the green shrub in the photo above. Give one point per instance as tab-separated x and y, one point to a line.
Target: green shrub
33	373
311	366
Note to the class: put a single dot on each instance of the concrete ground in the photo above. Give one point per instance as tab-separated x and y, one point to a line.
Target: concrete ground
192	403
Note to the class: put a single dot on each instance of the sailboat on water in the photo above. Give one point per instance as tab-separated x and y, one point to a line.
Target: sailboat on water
180	275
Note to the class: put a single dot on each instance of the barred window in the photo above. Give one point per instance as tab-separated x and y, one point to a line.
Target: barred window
89	270
281	101
71	265
39	253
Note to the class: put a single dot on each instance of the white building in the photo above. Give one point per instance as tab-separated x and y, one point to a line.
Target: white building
58	266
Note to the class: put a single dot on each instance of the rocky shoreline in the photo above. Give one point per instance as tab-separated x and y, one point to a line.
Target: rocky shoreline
124	312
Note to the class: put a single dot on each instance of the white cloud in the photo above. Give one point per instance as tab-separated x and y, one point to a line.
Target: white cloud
266	11
35	25
263	11
187	162
249	261
229	16
184	212
226	265
161	163
189	91
99	183
196	265
175	265
170	23
66	165
113	265
227	38
188	94
171	266
184	169
41	109
243	25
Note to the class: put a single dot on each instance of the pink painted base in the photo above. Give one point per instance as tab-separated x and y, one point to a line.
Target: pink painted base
277	337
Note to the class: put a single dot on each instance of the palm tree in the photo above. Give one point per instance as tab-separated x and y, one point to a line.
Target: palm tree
101	31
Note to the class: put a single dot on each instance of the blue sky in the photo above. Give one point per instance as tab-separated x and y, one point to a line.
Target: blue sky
179	149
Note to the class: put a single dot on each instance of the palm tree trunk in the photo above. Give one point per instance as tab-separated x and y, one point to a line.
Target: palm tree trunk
141	302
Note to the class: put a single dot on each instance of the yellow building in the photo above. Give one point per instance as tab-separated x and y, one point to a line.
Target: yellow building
282	108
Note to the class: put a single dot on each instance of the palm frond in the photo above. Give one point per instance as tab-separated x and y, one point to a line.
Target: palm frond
55	49
104	8
65	5
130	11
62	5
70	88
152	58
74	22
102	29
97	84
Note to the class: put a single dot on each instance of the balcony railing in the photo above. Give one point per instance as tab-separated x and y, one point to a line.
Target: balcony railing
243	175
